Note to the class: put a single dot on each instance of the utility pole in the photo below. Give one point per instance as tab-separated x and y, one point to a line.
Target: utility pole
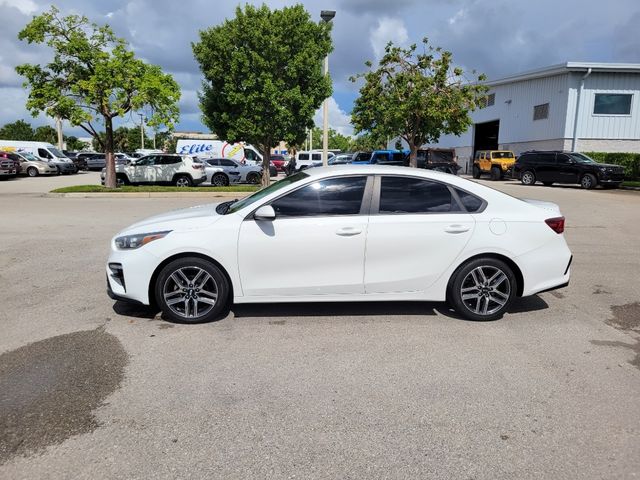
141	130
327	16
59	132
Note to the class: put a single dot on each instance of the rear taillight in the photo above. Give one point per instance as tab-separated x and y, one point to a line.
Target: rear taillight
556	224
197	166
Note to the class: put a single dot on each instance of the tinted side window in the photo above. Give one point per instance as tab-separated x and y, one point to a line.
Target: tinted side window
562	159
227	163
147	161
43	153
214	162
316	156
547	157
398	157
170	160
529	159
303	156
415	195
469	201
334	196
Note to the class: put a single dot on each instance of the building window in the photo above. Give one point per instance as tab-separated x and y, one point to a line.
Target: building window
487	101
540	112
612	104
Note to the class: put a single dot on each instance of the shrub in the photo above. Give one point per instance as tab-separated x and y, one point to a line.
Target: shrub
630	162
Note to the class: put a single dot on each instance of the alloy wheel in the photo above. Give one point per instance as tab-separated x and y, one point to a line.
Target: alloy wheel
190	292
485	290
182	182
586	182
527	178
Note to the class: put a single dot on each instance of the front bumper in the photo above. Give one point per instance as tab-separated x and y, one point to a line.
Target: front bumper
8	172
66	167
130	280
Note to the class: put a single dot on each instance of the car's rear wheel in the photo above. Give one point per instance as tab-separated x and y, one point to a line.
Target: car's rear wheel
32	172
588	181
253	178
496	173
219	180
528	178
482	289
192	290
182	181
476	171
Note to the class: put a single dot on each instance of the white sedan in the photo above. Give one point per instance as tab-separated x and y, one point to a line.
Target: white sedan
351	233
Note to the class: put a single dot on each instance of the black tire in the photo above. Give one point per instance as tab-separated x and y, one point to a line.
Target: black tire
588	181
482	296
547	184
186	296
182	181
254	178
476	171
496	173
219	180
528	177
33	172
121	179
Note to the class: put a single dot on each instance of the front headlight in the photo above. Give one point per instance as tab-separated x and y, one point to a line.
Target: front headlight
130	242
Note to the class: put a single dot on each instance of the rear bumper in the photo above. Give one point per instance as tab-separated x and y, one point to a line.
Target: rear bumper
546	268
198	181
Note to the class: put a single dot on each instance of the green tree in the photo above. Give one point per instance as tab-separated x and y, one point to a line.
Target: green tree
93	77
74	144
46	133
263	76
416	96
337	141
367	142
18	130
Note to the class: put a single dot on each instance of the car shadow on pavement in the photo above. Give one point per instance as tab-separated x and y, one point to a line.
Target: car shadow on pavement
335	309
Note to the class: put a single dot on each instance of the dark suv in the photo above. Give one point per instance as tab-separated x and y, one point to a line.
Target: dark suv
566	167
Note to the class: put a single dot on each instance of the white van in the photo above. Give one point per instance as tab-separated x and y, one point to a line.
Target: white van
311	159
44	150
218	149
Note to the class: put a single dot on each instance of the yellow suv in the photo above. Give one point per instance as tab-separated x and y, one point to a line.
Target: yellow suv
498	163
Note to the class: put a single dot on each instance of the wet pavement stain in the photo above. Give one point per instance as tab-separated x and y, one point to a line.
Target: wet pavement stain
599	290
49	389
626	318
557	294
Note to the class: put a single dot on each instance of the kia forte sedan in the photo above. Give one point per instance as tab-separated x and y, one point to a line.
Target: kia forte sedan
351	233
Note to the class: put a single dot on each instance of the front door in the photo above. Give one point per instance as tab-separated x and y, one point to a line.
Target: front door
567	169
144	170
314	246
416	235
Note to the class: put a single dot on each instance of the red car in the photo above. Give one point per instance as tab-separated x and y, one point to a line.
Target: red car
278	161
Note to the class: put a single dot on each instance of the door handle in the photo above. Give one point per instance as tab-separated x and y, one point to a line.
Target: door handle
348	231
456	229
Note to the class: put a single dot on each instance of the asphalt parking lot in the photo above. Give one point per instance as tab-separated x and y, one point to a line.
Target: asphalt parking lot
93	389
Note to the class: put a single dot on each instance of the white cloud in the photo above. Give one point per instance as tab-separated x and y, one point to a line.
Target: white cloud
388	30
339	120
25	6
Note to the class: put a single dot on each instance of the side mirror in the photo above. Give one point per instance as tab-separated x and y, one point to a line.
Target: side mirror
266	213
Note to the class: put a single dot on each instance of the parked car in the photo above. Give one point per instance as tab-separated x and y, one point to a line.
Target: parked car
551	167
160	169
244	173
463	242
217	175
33	166
98	160
44	150
438	159
279	162
382	157
338	159
9	167
497	163
306	160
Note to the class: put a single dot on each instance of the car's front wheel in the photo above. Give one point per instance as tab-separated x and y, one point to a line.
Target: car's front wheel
192	290
588	181
476	171
32	172
482	289
254	178
496	173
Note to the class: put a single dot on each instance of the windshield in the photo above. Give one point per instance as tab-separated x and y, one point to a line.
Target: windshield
274	187
582	158
56	152
30	157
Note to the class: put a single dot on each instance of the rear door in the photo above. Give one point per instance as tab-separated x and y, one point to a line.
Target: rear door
546	170
416	231
144	170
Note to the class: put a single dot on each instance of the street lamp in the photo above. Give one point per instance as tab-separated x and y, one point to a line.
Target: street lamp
326	16
141	130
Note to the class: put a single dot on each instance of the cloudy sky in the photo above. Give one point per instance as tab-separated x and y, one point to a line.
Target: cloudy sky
497	37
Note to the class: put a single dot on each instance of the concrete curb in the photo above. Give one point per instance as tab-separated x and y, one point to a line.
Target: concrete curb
150	195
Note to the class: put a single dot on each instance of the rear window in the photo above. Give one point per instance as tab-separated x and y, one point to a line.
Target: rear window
528	158
469	201
502	155
414	195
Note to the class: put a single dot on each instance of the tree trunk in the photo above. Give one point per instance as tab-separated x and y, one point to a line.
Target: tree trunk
110	177
413	155
266	160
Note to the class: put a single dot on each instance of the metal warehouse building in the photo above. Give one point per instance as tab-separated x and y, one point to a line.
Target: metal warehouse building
572	106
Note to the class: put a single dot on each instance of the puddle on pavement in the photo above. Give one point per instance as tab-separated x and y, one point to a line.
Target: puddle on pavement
626	318
49	389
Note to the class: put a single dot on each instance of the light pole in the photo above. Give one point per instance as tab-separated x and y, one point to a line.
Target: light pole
327	16
141	130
